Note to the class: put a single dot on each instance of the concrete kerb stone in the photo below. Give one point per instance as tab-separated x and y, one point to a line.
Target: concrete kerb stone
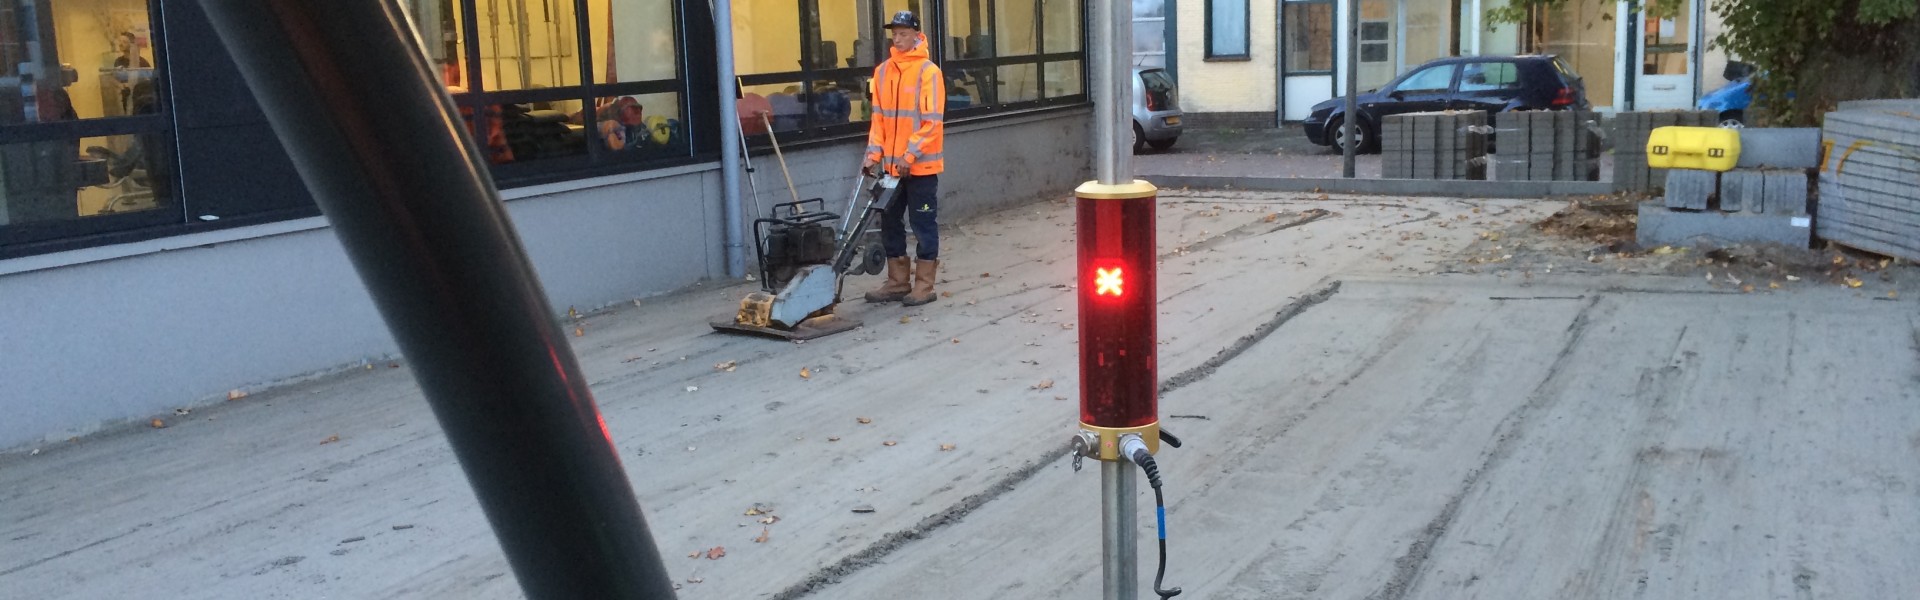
1660	226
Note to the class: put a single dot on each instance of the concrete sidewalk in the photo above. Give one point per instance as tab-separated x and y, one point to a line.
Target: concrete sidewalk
1357	428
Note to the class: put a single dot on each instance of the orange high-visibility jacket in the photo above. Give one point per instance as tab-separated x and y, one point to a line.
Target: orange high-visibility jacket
909	113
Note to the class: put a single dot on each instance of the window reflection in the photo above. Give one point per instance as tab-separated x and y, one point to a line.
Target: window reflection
75	60
66	179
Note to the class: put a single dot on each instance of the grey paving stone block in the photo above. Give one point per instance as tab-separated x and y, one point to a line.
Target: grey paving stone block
1787	192
1661	226
1741	190
1691	189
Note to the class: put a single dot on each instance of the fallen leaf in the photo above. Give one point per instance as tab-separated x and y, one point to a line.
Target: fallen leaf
693	554
864	421
238	394
330	439
1773	285
577	332
1044	384
1663	250
956	340
755	510
889	443
763	536
1854	282
158	424
572	314
806	373
946	294
1839	260
771	519
728	366
1748	288
946	447
716	552
985	275
905	320
833	439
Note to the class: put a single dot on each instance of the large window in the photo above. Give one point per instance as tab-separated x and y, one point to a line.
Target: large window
84	145
1010	53
1309	37
559	86
805	63
1227	29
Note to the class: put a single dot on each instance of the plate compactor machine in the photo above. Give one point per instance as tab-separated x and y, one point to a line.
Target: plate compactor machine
804	262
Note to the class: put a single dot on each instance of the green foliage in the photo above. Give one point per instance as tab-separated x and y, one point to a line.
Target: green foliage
1802	46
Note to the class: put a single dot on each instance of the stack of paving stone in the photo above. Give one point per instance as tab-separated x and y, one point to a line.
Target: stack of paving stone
1547	146
1630	133
1765	198
1870	182
1434	145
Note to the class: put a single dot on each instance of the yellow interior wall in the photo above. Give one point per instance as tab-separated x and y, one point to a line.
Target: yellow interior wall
766	37
85	32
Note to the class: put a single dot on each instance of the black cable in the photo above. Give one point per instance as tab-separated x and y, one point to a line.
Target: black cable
1147	464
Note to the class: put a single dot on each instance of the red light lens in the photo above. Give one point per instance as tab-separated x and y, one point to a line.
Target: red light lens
1119	383
1109	282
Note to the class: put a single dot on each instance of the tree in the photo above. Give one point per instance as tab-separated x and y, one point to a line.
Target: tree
1811	53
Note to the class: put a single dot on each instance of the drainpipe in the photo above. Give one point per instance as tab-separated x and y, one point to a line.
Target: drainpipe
729	136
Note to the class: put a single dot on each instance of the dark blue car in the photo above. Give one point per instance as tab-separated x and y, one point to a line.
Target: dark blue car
1489	83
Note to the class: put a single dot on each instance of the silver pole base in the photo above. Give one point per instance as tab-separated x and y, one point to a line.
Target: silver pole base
1119	528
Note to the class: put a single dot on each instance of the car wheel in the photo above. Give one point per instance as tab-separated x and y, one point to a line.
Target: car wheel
1162	144
1337	129
1733	119
1138	144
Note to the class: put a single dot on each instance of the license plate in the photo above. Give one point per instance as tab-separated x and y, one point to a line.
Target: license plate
1173	120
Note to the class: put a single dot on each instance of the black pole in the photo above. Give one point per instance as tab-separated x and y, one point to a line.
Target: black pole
379	144
1350	126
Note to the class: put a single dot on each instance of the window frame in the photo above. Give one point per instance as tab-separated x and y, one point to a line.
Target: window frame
598	159
1286	48
1246	33
36	237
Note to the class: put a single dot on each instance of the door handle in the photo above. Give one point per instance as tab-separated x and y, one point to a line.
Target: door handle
1666	87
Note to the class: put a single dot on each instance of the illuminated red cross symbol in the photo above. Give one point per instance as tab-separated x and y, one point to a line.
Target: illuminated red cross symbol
1107	281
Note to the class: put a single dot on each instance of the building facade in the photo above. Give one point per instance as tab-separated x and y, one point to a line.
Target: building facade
1261	63
158	250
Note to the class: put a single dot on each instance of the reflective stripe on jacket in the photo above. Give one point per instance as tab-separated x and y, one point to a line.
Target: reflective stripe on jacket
909	113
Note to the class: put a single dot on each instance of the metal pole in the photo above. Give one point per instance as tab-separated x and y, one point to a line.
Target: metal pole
1350	126
730	130
1113	92
379	144
1118	520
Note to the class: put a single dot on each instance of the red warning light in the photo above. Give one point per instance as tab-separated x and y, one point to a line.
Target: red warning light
1107	282
1118	377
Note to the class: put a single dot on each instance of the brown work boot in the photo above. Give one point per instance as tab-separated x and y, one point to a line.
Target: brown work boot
899	274
924	274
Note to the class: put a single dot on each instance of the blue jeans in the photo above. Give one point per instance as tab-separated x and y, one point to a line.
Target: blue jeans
917	199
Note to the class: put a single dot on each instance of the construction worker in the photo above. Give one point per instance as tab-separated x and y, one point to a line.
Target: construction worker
905	139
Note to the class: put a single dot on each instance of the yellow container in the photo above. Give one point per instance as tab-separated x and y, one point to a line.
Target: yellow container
1703	148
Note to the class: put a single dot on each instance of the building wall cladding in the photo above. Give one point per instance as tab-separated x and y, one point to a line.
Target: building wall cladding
108	340
1227	86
